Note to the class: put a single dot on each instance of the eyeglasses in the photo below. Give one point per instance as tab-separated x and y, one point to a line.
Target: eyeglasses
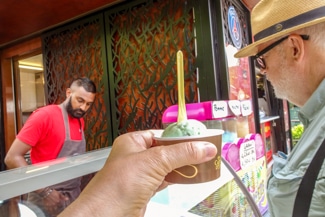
260	62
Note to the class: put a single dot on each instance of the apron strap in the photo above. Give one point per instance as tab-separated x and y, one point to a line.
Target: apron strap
66	122
307	185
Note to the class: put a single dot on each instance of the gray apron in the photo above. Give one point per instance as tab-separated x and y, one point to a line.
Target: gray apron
70	188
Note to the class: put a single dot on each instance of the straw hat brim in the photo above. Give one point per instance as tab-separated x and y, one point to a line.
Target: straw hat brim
252	49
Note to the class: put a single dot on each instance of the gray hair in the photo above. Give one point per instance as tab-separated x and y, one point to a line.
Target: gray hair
316	33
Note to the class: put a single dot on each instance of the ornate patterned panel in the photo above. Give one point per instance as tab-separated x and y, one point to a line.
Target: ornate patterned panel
76	51
142	44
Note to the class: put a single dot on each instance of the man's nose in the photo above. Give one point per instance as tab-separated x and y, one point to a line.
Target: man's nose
83	107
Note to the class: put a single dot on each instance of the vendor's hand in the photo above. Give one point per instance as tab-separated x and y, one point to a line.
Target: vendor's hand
133	173
54	202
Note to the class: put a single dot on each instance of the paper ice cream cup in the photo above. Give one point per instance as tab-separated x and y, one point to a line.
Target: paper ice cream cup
194	173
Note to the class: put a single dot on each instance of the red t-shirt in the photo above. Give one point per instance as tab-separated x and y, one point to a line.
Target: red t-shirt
45	132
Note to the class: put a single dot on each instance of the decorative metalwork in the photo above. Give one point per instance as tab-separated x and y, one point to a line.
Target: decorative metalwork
142	41
76	51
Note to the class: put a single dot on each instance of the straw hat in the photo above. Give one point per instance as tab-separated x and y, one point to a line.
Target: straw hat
273	18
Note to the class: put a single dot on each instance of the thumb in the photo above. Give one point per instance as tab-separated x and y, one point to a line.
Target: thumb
182	154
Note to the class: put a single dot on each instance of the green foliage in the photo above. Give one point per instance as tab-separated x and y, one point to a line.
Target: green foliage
296	132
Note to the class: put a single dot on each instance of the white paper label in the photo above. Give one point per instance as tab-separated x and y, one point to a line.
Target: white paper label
235	107
246	107
247	154
220	109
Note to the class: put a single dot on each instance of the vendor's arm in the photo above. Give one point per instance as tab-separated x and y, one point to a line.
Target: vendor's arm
16	158
16	154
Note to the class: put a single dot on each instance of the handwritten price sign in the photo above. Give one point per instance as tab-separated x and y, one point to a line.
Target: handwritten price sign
247	154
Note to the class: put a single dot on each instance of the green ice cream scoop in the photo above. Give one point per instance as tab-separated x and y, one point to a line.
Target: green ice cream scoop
184	128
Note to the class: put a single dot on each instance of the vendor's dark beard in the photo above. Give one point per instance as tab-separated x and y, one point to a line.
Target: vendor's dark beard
76	113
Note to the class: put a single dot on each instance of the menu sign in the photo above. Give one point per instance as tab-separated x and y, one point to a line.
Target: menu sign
247	154
222	109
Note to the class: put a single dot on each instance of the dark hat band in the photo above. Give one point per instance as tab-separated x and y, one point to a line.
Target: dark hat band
292	22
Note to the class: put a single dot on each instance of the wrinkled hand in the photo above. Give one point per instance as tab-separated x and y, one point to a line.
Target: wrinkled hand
133	173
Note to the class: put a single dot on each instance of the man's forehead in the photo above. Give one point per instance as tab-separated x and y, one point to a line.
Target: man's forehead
80	92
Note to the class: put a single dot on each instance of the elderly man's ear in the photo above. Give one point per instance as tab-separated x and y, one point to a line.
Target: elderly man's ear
297	47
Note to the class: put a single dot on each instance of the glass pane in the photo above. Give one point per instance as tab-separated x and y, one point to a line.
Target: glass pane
18	187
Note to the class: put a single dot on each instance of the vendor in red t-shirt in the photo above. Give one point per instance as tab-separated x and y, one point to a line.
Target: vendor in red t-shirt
52	132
